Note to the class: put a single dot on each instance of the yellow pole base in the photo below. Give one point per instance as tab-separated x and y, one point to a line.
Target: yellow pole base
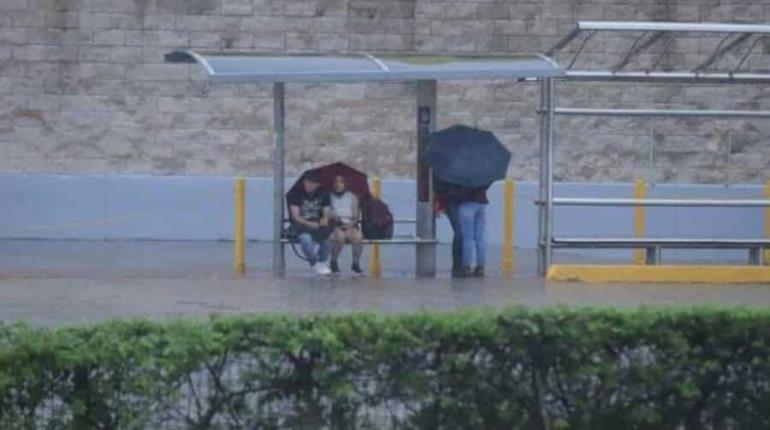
509	195
375	267
694	274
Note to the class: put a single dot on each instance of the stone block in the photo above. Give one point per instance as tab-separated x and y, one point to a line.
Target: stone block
157	72
331	8
269	41
456	10
268	7
493	11
300	8
14	36
205	40
430	10
109	37
380	42
236	7
59	37
93	71
62	53
13	5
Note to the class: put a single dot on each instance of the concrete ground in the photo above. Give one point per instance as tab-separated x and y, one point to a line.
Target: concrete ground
63	282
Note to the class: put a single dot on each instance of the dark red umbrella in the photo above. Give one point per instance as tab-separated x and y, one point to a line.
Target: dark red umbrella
357	181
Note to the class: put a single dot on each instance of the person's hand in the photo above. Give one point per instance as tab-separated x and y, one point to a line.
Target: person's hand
313	225
324	222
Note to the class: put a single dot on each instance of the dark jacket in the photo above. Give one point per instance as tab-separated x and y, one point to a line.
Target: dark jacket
455	194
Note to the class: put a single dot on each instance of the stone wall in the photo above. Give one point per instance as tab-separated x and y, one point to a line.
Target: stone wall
83	89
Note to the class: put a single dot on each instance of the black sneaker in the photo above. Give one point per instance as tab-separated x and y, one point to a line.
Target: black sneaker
478	272
335	268
357	269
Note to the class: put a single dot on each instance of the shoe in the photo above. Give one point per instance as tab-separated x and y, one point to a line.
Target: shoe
321	269
465	272
335	268
457	272
357	270
478	272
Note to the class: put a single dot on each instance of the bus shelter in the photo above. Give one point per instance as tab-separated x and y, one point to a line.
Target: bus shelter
732	55
424	70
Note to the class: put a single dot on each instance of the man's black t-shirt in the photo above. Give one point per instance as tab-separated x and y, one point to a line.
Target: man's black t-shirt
311	206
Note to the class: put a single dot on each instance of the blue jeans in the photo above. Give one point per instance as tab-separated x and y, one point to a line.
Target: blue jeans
308	245
453	215
472	224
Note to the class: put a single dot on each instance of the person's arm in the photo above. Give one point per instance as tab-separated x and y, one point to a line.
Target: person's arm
327	214
356	211
297	217
326	210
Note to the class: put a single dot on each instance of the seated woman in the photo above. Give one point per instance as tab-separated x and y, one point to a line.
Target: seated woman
345	214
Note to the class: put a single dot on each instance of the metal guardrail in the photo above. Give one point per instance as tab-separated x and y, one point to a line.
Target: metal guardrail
736	203
654	246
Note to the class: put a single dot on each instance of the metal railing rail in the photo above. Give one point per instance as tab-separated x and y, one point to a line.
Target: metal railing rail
734	203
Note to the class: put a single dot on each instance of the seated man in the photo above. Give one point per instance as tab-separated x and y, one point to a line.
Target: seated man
310	217
345	213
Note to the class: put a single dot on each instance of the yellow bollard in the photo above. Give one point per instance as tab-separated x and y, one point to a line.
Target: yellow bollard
640	220
509	199
240	226
766	257
375	270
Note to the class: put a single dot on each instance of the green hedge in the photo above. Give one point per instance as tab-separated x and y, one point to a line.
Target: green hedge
513	369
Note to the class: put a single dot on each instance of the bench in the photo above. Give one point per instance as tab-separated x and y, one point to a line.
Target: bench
653	246
396	240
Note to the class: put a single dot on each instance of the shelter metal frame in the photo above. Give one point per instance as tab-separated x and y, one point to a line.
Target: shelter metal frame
424	70
647	34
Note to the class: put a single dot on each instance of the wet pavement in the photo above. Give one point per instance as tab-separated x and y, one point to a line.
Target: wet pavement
61	282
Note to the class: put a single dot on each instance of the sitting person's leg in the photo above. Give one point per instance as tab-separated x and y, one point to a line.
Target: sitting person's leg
324	249
356	240
308	247
337	243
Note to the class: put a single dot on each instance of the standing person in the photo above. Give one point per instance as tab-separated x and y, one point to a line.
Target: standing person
310	212
472	212
448	195
345	215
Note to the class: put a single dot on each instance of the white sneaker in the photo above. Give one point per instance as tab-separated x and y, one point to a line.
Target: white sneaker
322	269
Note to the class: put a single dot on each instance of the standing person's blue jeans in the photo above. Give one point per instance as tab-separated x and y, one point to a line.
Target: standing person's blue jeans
308	245
453	215
472	224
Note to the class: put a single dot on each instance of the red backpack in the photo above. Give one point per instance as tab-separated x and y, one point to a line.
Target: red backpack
376	219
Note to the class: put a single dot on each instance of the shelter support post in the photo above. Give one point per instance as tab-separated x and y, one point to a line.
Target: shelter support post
545	194
542	118
766	253
426	222
550	84
279	112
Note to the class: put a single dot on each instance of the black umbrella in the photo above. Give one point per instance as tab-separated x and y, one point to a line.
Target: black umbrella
467	156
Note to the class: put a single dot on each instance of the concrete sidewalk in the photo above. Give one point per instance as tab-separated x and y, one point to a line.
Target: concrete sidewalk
54	283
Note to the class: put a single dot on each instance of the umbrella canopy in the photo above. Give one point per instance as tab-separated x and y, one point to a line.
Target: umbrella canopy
357	181
467	156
